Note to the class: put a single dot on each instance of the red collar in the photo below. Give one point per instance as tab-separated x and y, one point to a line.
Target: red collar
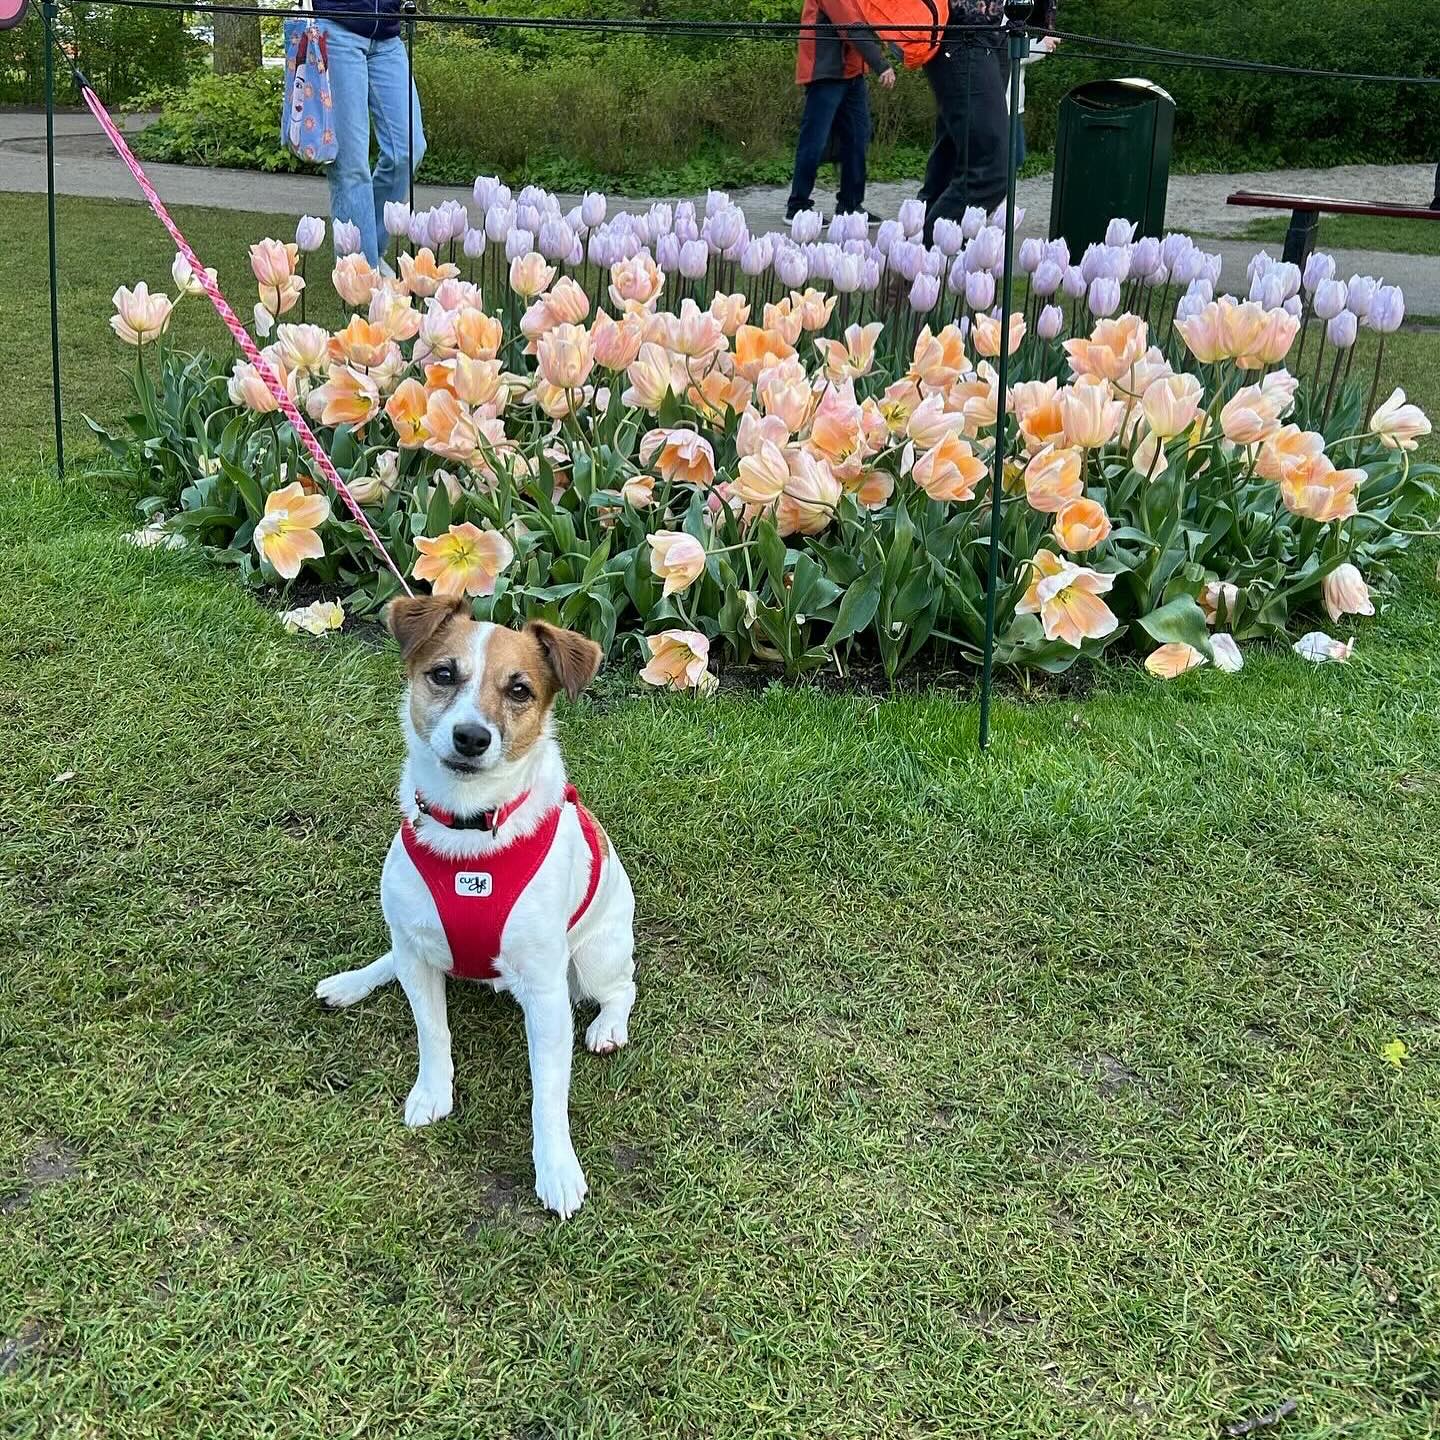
487	820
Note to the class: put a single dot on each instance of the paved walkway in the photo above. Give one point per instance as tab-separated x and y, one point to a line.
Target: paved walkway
85	165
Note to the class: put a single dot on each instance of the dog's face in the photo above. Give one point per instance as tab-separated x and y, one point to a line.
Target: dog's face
481	695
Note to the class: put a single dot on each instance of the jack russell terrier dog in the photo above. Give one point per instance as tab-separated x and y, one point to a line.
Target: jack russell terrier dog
498	872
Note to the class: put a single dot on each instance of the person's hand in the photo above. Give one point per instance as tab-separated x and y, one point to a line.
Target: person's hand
887	78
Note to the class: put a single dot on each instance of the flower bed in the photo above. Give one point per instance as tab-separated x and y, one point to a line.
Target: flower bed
673	435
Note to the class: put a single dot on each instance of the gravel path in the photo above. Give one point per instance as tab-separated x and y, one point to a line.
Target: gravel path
86	166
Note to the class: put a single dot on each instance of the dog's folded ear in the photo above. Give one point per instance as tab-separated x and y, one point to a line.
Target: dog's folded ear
573	659
414	619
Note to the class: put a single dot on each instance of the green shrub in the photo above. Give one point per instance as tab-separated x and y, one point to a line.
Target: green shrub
230	120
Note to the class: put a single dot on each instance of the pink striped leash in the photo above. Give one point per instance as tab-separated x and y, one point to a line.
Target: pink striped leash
242	336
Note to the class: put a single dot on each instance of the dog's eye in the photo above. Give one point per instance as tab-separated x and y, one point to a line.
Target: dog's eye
442	674
519	690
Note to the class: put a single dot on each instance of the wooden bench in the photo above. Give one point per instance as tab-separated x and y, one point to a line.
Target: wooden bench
1306	210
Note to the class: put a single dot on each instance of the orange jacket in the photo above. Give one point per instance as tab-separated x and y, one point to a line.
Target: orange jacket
841	47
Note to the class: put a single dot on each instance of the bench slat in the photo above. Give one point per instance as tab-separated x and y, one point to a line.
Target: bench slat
1318	204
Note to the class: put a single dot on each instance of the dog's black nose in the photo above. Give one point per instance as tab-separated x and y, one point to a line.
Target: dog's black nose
472	740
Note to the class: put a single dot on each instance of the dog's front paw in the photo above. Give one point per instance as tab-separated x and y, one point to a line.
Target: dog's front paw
427	1103
338	991
607	1032
560	1182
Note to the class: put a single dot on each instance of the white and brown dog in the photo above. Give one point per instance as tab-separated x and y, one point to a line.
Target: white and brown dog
498	872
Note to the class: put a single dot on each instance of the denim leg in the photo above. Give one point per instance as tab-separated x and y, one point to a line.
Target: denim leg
854	120
389	88
349	176
822	100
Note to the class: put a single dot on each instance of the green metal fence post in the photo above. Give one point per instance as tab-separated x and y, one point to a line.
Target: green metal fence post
407	8
47	12
1016	16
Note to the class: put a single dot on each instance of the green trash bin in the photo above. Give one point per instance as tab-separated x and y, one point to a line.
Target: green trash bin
1112	157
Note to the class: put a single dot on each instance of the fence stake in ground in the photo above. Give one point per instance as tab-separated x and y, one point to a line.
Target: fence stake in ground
47	12
1018	38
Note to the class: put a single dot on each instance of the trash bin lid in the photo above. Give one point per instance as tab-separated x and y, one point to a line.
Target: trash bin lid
1118	94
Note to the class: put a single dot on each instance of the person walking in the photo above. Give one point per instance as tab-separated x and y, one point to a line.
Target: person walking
370	84
968	162
836	48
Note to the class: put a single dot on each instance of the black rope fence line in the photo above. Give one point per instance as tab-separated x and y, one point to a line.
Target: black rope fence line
761	29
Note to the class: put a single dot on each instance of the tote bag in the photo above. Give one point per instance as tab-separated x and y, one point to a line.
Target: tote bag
307	117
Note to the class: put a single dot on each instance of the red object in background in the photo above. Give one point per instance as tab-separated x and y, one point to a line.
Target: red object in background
12	12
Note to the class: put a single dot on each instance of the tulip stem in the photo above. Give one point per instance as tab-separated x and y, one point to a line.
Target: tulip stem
1375	383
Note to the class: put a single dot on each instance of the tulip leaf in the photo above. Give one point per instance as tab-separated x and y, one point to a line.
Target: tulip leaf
1179	621
858	607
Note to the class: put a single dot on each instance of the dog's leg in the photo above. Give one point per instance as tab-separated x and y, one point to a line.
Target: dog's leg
433	1094
605	972
550	1035
350	986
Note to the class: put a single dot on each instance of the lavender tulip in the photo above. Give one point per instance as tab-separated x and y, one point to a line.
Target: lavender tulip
1343	330
989	247
486	191
790	266
1120	232
847	274
456	218
856	247
346	236
1104	296
1360	294
889	232
870	276
1330	297
755	259
419	229
1200	292
1047	278
956	275
1173	246
397	218
601	249
1050	323
1073	283
805	227
592	209
859	226
576	257
948	237
1260	264
1190	305
1318	267
437	229
1289	277
1387	309
1032	253
726	227
1117	263
694	257
1158	276
905	257
686	227
972	222
528	217
1188	264
499	221
1269	290
685	213
715	202
997	218
980	290
557	239
310	233
911	216
932	262
1214	263
924	292
1294	307
667	252
661	218
474	244
820	259
518	242
1145	257
535	195
1058	252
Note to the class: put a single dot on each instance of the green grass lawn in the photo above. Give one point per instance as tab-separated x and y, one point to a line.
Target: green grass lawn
1035	1094
1357	232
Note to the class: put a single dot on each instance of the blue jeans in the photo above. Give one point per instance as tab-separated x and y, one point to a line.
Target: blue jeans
841	107
368	81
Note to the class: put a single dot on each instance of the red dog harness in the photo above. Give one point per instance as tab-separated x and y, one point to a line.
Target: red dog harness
476	893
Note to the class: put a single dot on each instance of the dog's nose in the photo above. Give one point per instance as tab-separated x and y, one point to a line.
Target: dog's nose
472	740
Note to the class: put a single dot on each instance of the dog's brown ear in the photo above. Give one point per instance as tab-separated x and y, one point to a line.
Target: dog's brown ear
572	658
414	619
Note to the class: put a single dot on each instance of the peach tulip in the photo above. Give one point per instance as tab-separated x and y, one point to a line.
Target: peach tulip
985	334
1088	416
1345	592
760	478
874	489
977	399
567	302
530	275
422	275
1066	597
406	409
681	455
564	357
1081	525
1399	426
1111	350
1036	404
1173	660
852	357
807	504
931	422
949	471
451	430
1171	404
784	320
730	312
286	533
360	344
304	348
466	560
720	392
248	390
367	489
187	282
1316	490
1053	478
679	661
756	350
1247	419
616	342
784	391
478	335
676	558
650	375
140	317
1274	341
814	308
393	312
1219	599
755	430
695	333
1204	335
273	264
636	284
348	397
639	491
1288	446
354	279
938	359
1149	458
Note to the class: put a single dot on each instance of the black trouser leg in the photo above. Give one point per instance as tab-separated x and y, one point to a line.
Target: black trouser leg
853	129
822	99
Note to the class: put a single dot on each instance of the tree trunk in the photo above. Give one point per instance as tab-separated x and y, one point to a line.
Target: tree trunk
237	43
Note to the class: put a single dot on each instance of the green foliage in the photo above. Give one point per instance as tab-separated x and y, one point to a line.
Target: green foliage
123	52
227	120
